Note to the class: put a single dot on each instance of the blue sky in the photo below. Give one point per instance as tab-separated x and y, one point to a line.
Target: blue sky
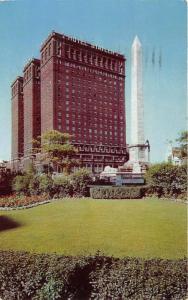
112	24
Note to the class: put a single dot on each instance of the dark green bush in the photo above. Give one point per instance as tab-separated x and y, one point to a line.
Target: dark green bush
139	279
128	192
80	180
21	184
167	180
31	183
6	178
62	186
34	185
45	185
31	276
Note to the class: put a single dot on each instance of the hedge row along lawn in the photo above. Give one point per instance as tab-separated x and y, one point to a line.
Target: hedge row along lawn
138	228
30	276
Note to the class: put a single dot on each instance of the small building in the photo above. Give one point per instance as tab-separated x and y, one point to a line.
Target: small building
174	156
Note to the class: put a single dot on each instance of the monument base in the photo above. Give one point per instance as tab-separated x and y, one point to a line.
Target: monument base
132	172
129	178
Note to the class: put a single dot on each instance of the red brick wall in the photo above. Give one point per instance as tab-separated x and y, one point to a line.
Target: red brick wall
47	96
17	118
82	91
32	110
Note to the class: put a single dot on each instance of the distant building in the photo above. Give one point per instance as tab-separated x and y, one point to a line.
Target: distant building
76	88
174	155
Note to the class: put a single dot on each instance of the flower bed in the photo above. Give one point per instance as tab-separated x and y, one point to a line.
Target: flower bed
15	201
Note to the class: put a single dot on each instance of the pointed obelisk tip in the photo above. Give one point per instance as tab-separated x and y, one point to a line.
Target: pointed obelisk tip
136	41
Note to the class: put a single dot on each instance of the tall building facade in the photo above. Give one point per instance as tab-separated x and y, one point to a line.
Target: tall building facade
82	90
32	104
17	120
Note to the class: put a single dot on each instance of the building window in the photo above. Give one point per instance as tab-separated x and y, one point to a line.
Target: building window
49	50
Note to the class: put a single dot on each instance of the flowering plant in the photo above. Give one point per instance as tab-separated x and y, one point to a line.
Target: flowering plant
19	201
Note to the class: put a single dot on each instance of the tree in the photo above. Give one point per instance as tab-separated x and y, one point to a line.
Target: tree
183	143
57	151
167	180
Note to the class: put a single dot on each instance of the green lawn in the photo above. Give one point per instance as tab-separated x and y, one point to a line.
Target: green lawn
144	228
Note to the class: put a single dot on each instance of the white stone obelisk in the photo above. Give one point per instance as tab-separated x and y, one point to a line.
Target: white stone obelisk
137	149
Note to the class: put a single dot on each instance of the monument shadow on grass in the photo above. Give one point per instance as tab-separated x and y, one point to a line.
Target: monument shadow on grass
6	223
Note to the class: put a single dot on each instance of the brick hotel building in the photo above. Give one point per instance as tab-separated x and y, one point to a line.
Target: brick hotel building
77	88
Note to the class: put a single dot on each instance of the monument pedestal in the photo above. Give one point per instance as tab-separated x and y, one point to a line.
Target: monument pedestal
125	178
132	172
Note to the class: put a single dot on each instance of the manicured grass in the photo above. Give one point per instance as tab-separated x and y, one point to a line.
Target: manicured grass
143	228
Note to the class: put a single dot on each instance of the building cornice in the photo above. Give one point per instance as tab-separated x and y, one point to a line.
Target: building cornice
84	44
33	60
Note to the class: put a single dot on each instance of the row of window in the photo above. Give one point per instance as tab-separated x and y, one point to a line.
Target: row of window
100	134
90	115
89	70
17	88
87	90
92	58
98	122
82	56
32	71
80	137
46	53
100	106
88	81
89	85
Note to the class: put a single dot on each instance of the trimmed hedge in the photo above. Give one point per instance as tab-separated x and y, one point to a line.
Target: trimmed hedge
42	276
128	192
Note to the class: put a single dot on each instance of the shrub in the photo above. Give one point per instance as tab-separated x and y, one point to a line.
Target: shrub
128	192
80	180
45	185
32	276
62	186
15	201
6	182
30	184
167	180
21	184
34	184
134	278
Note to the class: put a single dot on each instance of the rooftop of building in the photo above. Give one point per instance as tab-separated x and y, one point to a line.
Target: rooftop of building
18	78
32	60
82	43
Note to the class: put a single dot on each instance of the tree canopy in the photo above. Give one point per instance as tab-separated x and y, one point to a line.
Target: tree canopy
57	150
183	143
